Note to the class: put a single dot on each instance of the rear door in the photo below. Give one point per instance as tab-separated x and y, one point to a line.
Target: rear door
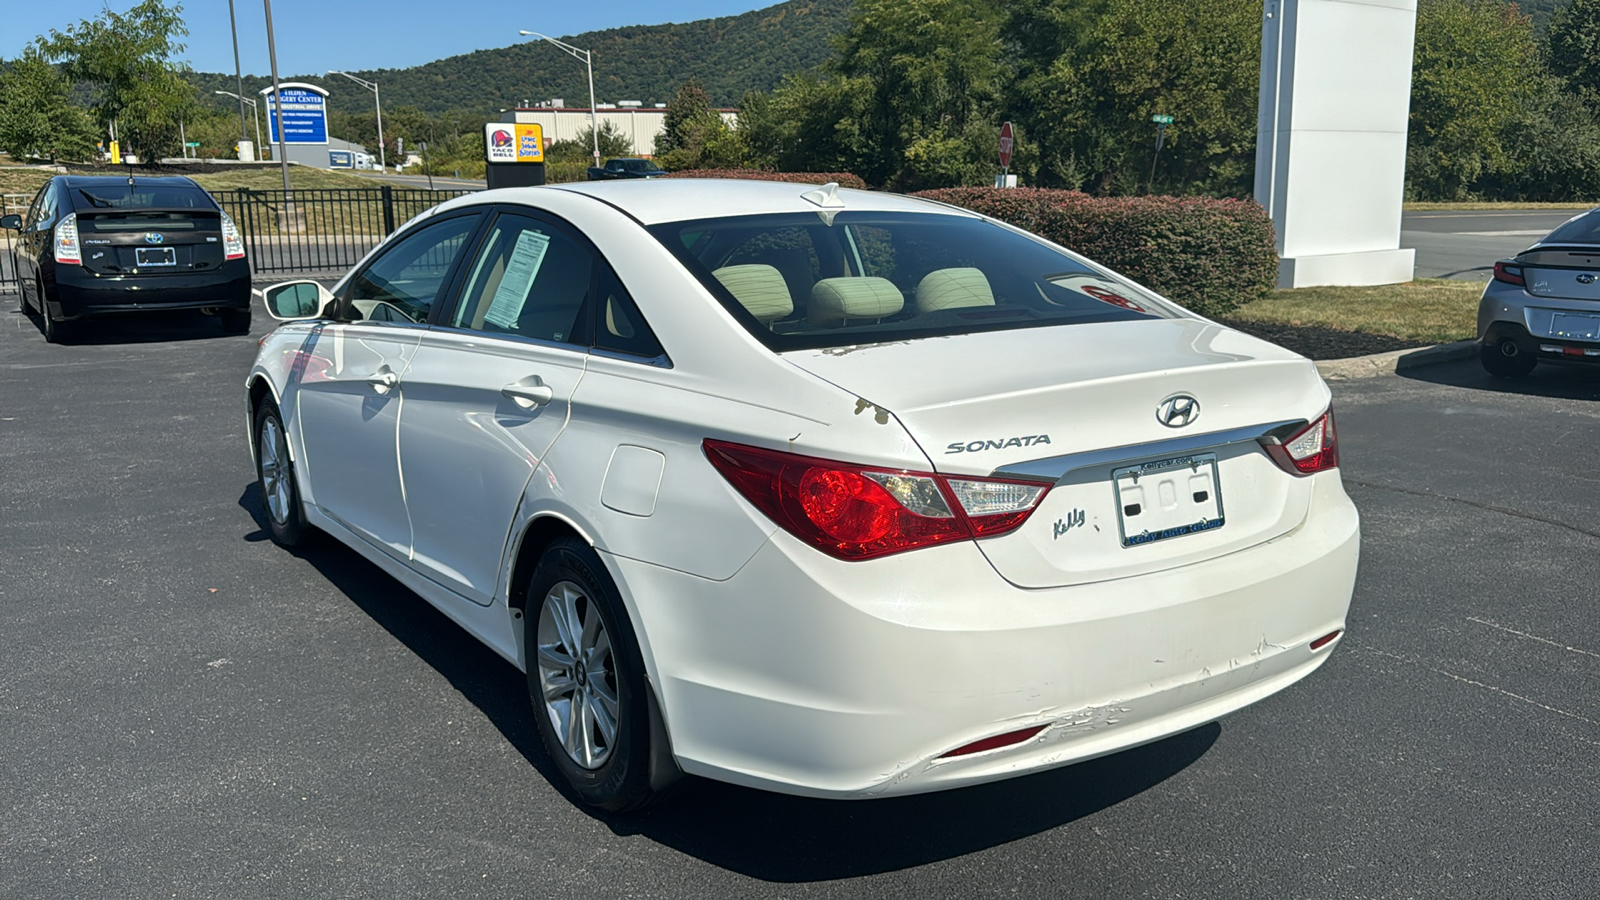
488	392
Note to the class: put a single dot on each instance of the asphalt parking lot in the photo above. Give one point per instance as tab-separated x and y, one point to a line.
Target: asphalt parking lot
187	710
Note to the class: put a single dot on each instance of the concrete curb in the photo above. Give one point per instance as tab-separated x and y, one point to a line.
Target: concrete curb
1394	361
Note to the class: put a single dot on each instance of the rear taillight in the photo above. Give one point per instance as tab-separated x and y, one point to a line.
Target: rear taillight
857	512
1510	273
66	249
232	243
1312	449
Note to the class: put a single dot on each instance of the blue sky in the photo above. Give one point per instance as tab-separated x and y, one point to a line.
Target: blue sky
313	36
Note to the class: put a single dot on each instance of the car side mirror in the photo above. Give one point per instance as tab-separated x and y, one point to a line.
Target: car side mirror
13	223
296	301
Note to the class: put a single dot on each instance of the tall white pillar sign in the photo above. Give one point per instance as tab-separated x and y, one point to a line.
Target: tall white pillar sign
1331	137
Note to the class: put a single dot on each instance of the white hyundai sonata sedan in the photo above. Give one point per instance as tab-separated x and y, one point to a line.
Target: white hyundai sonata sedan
828	492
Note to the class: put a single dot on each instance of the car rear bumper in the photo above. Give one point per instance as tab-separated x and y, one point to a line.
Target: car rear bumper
80	293
807	675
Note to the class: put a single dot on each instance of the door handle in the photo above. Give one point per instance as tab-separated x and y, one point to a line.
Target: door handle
528	393
383	380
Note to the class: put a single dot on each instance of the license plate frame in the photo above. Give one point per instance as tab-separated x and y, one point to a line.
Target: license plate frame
1163	498
155	257
1575	326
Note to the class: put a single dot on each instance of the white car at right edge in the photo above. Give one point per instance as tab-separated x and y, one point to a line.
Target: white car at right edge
827	492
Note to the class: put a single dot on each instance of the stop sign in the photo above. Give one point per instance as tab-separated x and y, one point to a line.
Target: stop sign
1005	146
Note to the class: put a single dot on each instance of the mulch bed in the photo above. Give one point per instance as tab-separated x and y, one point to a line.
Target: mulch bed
1322	343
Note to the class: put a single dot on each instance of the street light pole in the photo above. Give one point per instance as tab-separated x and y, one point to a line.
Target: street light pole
277	102
383	162
588	62
238	75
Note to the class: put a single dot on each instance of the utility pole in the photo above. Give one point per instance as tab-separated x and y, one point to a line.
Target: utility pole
1161	134
238	77
277	103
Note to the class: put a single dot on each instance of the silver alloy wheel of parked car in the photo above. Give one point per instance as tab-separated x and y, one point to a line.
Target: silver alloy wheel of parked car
274	469
577	674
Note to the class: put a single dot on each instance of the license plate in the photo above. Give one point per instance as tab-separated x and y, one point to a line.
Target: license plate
1584	328
155	256
1171	498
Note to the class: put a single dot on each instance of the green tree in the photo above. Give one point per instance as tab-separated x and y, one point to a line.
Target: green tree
126	59
1090	76
1574	44
687	112
1475	75
37	118
581	148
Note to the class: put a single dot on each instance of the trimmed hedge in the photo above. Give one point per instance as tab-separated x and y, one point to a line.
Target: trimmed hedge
1210	255
845	179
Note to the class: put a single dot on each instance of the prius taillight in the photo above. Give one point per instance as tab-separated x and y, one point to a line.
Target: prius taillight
67	249
858	512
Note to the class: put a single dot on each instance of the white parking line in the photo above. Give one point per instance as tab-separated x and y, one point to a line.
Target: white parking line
1538	233
1532	637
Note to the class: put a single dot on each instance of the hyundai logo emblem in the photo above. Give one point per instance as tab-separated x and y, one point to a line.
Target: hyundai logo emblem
153	237
1586	278
1178	410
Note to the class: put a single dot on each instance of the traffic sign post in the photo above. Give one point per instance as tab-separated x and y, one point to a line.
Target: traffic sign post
1162	121
1006	145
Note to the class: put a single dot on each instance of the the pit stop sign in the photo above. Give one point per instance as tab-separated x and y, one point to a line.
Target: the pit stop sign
1005	146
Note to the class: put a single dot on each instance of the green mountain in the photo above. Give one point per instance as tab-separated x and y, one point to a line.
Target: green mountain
730	55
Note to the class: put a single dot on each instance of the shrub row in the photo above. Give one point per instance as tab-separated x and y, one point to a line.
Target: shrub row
845	179
1209	255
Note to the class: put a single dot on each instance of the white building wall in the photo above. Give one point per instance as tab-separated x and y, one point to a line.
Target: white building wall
638	124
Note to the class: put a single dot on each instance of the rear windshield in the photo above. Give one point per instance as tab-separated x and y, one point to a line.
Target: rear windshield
1584	229
139	196
809	280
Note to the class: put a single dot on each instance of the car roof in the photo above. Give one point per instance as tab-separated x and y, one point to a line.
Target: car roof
104	180
662	200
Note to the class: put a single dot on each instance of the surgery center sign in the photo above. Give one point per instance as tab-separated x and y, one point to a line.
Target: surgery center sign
305	114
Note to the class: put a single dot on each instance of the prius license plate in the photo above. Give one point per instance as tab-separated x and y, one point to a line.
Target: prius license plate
146	257
1171	498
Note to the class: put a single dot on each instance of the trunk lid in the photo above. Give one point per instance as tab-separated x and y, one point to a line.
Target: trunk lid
1077	405
150	241
1566	273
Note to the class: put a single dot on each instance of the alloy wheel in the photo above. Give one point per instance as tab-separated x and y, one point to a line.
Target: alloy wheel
275	473
578	674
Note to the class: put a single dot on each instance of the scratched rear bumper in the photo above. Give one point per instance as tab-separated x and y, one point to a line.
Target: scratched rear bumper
808	675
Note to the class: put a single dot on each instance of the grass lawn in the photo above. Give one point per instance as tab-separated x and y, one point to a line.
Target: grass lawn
1436	310
28	180
1468	205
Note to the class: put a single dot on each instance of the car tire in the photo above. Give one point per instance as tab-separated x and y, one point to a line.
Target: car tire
275	478
55	330
584	670
234	321
1503	357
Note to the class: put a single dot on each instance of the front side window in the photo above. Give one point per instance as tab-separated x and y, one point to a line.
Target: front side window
809	280
404	282
529	280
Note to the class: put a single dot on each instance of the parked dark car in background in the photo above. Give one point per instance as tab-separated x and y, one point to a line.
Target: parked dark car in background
626	167
102	244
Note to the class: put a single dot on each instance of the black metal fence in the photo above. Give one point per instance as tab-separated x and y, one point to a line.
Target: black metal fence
10	204
320	230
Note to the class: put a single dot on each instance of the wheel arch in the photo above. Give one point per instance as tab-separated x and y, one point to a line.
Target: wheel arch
258	388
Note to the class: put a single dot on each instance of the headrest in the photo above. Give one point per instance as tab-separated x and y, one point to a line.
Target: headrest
760	289
952	289
835	299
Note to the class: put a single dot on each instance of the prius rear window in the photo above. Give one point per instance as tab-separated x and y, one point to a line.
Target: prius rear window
801	281
138	196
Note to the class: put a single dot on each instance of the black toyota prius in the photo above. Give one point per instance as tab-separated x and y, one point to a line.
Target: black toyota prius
101	244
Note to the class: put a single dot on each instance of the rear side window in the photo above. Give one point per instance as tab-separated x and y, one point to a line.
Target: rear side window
800	281
1584	229
530	280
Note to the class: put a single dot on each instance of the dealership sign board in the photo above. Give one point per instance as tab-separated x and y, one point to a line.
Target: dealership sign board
505	142
305	113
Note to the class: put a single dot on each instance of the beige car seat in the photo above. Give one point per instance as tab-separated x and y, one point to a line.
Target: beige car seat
759	288
953	289
836	300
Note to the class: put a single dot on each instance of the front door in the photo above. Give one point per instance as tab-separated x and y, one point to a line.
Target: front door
349	390
487	394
